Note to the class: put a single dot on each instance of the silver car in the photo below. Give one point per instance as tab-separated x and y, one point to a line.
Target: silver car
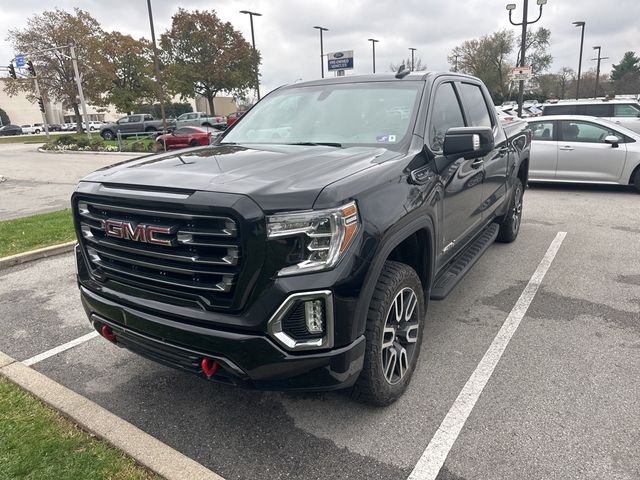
579	149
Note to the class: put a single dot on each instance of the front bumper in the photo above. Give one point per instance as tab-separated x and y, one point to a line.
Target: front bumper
248	360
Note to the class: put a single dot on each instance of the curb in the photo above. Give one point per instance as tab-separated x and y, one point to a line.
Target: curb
145	449
37	254
89	152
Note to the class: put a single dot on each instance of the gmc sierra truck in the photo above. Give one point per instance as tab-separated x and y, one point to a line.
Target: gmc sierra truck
132	125
300	250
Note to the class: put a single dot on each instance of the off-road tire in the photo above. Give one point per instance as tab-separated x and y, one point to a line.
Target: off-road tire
107	135
510	225
372	386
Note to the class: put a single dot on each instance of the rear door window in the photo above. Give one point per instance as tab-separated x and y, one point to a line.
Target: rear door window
585	132
560	110
446	113
596	110
475	105
626	110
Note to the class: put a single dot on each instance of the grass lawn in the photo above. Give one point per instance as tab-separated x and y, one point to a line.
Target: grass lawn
28	233
29	139
38	443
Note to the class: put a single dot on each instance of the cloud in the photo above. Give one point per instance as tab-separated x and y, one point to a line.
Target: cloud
290	46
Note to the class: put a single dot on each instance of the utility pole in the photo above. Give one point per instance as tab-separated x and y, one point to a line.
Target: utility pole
373	44
156	66
412	63
599	58
83	104
253	42
523	41
321	29
579	24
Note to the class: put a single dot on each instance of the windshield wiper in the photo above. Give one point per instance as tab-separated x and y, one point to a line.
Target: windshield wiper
315	144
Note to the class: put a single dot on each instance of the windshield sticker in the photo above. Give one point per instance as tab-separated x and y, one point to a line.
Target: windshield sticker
386	138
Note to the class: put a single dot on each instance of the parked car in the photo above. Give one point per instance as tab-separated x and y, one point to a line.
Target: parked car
199	119
8	130
233	117
183	137
32	128
55	127
95	125
504	116
131	125
303	258
622	112
582	149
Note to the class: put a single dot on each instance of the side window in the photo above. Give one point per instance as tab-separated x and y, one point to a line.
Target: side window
123	120
560	110
542	131
148	118
135	118
627	110
475	105
445	114
595	110
585	132
192	116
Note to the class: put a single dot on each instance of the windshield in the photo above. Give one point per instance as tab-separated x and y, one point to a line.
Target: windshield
375	113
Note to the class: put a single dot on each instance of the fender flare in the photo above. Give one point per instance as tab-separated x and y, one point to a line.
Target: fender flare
390	241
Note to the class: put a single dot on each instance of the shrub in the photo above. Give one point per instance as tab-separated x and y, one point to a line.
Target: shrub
138	146
96	144
82	142
66	140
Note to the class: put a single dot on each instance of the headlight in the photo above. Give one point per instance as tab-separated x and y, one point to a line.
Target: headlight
328	234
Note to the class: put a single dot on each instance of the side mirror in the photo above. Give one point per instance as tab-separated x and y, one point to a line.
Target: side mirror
612	140
468	142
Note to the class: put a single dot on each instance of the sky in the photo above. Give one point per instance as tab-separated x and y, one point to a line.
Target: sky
290	47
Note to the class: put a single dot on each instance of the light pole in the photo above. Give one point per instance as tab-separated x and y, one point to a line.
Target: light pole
523	42
579	24
412	63
455	58
253	43
373	44
595	95
321	29
156	68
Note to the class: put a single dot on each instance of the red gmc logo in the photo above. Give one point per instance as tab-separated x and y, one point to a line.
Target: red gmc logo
137	233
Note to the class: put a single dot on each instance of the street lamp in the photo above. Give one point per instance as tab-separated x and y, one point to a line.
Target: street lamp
595	95
321	29
455	58
523	42
412	63
253	42
156	65
579	24
373	44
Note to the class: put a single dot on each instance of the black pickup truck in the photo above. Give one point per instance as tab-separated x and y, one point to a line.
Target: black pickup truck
301	250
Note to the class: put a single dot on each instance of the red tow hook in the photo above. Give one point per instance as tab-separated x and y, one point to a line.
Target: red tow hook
209	367
107	333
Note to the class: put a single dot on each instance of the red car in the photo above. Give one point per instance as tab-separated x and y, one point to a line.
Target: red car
184	137
233	117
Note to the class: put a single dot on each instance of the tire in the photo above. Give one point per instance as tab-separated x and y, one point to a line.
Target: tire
150	129
108	135
37	131
382	381
510	225
636	180
194	143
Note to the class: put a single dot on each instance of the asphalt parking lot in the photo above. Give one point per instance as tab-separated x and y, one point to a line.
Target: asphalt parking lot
562	403
40	182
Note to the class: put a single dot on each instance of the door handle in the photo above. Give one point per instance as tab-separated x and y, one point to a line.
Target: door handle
566	147
477	163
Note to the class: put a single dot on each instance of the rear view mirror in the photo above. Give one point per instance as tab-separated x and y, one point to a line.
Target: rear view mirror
612	140
468	142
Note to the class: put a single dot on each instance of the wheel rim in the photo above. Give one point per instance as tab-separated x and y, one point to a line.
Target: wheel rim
517	210
400	335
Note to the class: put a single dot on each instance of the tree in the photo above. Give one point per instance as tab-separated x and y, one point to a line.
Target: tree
57	28
536	54
417	65
4	118
170	109
625	76
126	72
565	76
206	56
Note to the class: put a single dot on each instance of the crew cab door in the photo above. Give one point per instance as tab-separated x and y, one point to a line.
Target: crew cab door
462	179
479	112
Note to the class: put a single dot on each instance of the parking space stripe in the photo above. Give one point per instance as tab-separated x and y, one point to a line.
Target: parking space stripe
60	349
436	452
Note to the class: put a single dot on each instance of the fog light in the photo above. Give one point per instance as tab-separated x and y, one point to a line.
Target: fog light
314	315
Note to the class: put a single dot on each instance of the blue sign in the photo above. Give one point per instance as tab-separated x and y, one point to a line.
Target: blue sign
20	61
340	60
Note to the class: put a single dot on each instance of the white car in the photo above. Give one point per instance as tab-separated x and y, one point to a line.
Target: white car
581	149
505	116
32	128
95	125
622	112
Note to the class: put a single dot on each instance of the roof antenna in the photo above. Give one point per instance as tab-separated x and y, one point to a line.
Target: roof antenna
402	71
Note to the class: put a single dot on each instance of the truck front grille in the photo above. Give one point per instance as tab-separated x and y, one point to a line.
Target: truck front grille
188	255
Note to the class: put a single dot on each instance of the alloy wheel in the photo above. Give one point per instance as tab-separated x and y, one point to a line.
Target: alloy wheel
517	209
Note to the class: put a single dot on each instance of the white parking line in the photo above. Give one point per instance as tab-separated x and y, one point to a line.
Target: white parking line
65	346
436	453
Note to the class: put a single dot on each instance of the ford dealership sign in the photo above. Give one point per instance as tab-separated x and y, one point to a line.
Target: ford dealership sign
340	60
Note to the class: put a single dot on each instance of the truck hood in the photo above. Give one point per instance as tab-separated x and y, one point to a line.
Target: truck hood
276	177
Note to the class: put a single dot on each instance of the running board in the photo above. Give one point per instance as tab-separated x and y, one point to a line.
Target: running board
449	278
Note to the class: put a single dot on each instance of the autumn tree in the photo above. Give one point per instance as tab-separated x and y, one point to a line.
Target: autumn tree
625	76
126	73
57	28
206	56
